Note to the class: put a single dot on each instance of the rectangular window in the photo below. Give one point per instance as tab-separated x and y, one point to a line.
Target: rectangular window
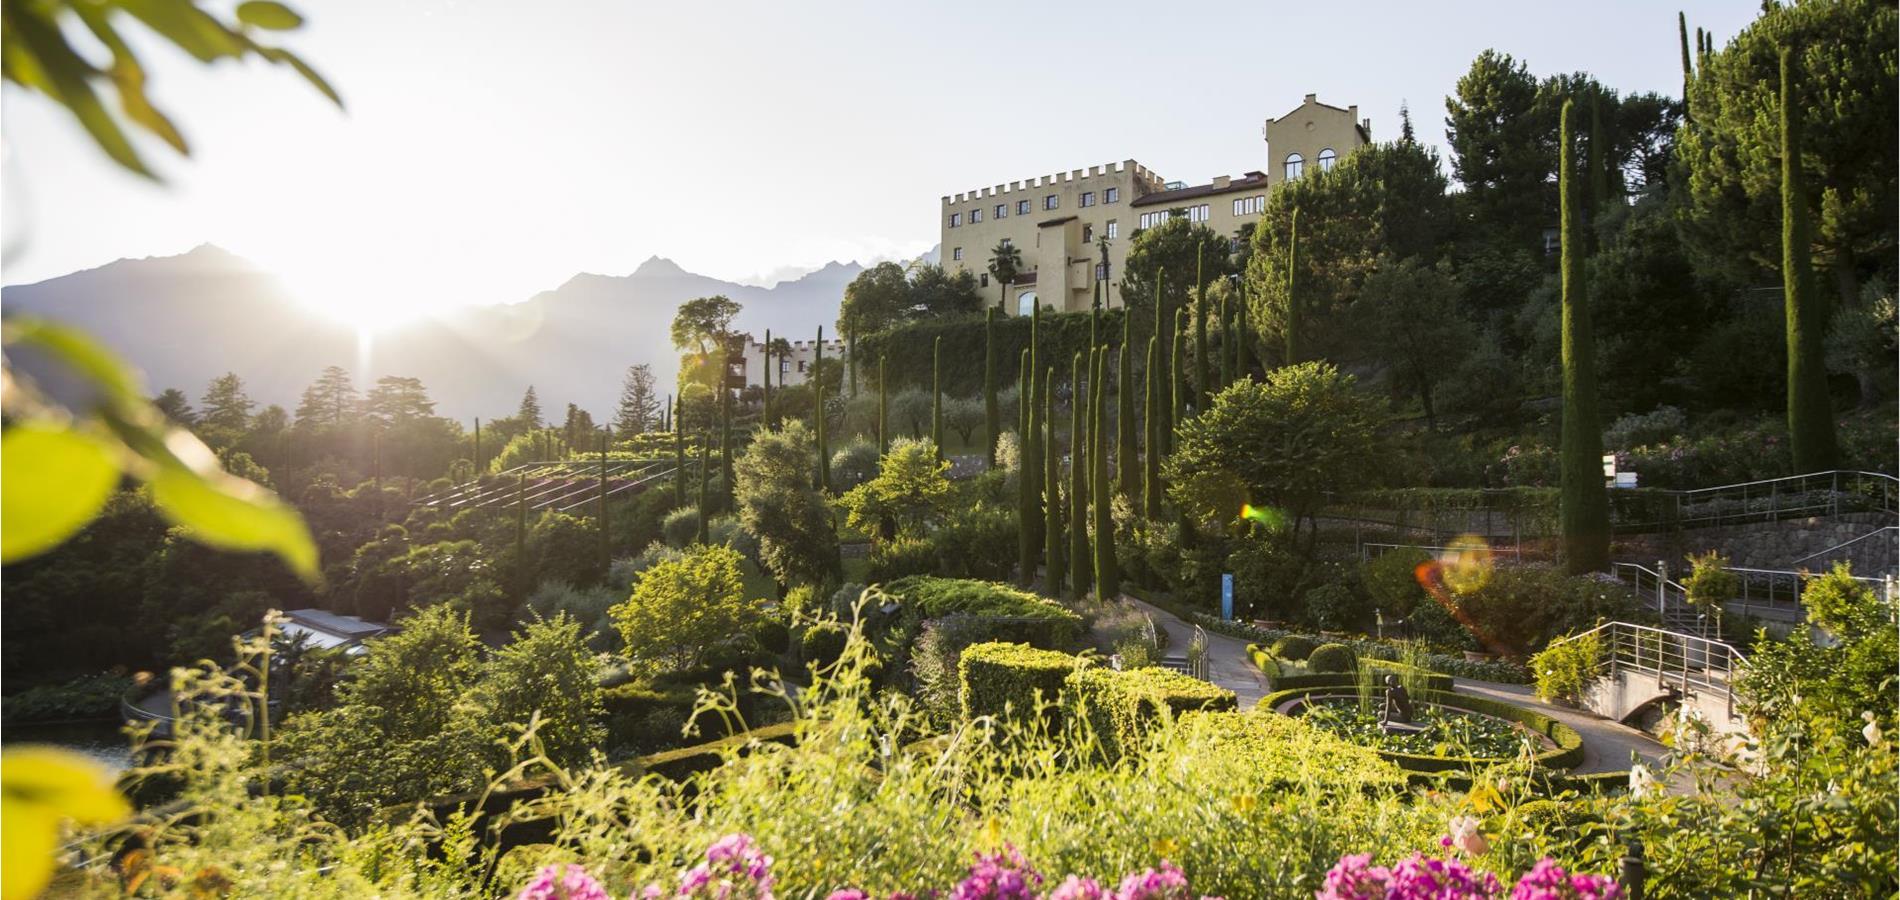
1101	272
1249	206
1111	195
1022	207
984	279
1197	213
801	366
1112	230
1088	233
1051	201
956	219
1088	198
1002	209
976	215
956	252
1008	243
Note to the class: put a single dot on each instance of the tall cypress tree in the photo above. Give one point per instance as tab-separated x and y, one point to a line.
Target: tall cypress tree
1178	397
679	451
1585	512
883	409
1078	481
936	396
1026	466
1127	462
1203	389
1226	347
1022	400
1688	72
765	381
1292	325
725	443
1107	580
992	418
1243	338
1810	416
1033	442
705	476
1052	486
818	413
1151	454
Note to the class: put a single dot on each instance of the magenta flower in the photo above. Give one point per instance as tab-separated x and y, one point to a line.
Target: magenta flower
847	894
1000	876
1075	887
1548	881
1166	883
735	869
569	882
1355	878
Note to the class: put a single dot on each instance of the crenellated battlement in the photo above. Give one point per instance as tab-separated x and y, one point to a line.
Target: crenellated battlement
1141	175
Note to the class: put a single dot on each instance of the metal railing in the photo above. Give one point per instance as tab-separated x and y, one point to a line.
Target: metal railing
1197	654
1369	550
1884	553
1671	598
1765	593
1772	499
1686	663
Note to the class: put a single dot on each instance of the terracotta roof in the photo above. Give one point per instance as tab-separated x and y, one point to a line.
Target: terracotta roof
1250	181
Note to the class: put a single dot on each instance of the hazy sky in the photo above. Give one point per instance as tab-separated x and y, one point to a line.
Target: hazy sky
493	148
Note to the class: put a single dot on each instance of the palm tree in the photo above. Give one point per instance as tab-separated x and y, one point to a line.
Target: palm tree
1005	262
1101	243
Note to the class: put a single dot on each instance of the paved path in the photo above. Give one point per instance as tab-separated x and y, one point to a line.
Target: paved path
1607	745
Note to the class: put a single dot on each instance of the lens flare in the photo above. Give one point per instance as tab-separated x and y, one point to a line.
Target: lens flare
1268	517
1466	564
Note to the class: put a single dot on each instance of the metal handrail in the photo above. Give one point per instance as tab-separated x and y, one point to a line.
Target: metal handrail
1786	478
1847	543
1515	553
1687	660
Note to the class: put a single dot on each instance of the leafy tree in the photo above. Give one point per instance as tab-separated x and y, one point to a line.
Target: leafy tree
1844	105
529	413
773	489
331	400
875	300
1286	443
911	488
226	408
1647	304
1410	313
1584	512
703	324
546	669
175	406
964	415
1006	262
937	293
681	608
1862	341
1501	150
577	428
1181	252
397	400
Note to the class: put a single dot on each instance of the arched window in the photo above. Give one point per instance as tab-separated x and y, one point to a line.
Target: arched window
1025	303
1294	164
1326	159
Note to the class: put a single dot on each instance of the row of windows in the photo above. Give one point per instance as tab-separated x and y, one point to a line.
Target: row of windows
1197	213
1248	206
1110	229
1052	201
1296	164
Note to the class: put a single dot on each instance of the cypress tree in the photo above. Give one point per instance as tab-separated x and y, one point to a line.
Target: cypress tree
936	396
992	418
1052	486
1151	454
1128	475
725	445
1585	511
1033	439
818	412
851	361
1180	393
679	453
1203	389
1079	481
883	409
705	476
1810	416
1022	400
1243	338
1164	326
765	381
1688	72
1292	327
606	539
1107	580
1226	346
1026	465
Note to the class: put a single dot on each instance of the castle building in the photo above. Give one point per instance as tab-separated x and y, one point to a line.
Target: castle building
1058	223
745	362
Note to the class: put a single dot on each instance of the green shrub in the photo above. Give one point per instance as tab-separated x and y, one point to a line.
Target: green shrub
1294	647
1331	658
901	557
823	643
1288	751
1121	707
993	676
1336	607
680	526
642	718
773	636
1391	580
1562	671
1042	623
977	542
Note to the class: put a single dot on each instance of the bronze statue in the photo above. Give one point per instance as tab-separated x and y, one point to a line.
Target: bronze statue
1398	703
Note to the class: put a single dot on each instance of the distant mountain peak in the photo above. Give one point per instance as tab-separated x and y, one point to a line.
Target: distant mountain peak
659	267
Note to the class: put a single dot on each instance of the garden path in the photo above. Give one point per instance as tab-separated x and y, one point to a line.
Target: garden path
1607	745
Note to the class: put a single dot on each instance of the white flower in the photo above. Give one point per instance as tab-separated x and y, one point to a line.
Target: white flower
1642	782
1466	837
1872	731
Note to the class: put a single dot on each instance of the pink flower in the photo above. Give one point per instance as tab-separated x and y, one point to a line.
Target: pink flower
1166	883
1075	887
1466	836
569	882
1355	878
1548	881
848	894
1000	876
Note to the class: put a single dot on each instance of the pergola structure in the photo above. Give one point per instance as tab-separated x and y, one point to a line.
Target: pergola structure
559	485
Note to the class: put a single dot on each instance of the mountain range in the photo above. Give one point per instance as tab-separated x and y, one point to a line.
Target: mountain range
186	319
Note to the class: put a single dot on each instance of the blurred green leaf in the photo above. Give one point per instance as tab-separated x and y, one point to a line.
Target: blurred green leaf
233	514
128	76
268	15
184	24
280	55
56	479
40	787
83	354
38	55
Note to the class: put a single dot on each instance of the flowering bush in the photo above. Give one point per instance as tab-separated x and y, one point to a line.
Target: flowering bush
1420	877
735	869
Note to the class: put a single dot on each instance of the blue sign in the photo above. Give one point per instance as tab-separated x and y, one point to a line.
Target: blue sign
1227	597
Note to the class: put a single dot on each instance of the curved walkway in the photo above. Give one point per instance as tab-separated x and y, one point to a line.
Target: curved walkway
1607	745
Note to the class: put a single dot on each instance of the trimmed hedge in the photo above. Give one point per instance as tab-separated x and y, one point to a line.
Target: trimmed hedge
1121	707
1033	620
1291	752
823	643
1500	671
995	675
1331	658
1568	753
1265	661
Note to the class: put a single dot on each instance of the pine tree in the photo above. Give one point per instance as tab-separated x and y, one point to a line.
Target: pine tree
936	396
818	413
1107	579
1292	326
1810	416
1128	475
992	417
883	409
225	406
639	406
1052	487
331	400
1078	482
679	452
1151	453
529	415
1585	510
1203	389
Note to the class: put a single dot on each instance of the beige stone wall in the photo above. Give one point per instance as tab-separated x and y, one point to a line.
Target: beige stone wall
1309	130
794	368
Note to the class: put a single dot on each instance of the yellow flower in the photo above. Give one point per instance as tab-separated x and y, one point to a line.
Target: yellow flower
1245	804
1166	848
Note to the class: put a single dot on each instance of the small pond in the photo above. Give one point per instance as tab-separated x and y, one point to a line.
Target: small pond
1445	731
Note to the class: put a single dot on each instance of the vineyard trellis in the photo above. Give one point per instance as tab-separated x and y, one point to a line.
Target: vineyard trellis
560	485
